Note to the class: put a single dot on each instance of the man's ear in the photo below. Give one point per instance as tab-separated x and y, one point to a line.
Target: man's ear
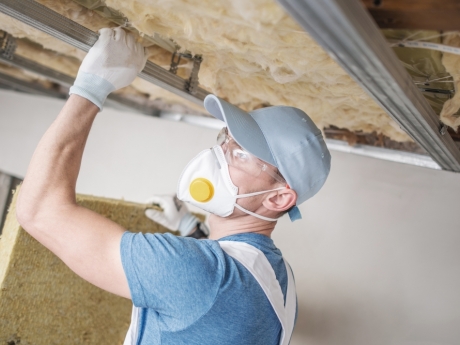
280	200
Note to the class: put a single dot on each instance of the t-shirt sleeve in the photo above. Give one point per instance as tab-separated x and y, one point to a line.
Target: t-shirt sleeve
172	275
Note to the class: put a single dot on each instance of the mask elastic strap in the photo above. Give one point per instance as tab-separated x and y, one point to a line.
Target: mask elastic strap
258	193
252	213
255	214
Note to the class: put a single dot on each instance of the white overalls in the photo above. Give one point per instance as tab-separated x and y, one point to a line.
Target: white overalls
257	264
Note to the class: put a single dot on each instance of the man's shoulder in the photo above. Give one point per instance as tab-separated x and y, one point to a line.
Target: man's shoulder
159	265
170	247
169	240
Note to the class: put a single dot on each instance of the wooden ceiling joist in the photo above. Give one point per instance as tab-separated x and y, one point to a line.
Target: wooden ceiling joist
415	14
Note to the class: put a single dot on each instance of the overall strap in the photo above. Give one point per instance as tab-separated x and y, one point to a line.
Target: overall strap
133	331
258	265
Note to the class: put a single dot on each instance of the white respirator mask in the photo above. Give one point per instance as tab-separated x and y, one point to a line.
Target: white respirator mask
206	183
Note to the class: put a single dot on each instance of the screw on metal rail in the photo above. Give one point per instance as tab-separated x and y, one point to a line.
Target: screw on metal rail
174	62
7	46
443	129
192	83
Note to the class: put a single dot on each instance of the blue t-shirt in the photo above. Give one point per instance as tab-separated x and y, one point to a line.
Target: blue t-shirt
192	292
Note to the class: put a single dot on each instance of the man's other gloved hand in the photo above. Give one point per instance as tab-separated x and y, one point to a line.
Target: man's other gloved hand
111	64
175	215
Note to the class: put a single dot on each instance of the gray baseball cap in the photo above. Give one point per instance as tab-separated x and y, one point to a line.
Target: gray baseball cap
282	136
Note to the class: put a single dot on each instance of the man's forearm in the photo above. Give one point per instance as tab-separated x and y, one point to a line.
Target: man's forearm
88	243
54	168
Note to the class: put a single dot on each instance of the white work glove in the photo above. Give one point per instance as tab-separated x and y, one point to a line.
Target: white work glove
111	64
175	215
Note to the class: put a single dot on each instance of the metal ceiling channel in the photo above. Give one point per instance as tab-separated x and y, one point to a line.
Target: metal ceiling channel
350	36
32	66
42	18
114	100
28	87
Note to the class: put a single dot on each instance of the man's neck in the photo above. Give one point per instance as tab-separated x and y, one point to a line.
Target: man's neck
221	227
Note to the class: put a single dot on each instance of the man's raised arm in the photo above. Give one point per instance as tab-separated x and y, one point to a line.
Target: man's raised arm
87	242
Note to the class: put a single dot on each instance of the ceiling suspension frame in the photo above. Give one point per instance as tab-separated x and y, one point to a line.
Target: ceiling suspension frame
344	29
46	20
351	37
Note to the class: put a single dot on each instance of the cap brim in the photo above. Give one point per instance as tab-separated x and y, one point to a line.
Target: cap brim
243	128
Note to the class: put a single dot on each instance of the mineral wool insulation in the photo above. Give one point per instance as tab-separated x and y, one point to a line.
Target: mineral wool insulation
43	302
254	54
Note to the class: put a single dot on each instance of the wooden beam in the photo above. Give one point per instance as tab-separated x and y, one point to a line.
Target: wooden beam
415	14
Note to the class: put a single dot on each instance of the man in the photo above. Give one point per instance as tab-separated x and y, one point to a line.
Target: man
234	288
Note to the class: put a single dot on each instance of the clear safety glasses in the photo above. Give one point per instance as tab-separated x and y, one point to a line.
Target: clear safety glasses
240	159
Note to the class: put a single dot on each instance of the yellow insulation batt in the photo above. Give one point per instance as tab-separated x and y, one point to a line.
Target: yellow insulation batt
452	64
65	64
254	54
42	302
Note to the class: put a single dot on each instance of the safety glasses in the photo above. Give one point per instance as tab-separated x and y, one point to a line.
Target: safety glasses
240	159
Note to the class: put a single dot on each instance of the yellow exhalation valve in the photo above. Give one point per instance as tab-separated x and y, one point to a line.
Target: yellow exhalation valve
201	189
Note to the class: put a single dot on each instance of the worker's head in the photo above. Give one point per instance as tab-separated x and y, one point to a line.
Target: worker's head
275	150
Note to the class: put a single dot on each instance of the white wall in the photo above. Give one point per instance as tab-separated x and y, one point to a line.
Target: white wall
376	256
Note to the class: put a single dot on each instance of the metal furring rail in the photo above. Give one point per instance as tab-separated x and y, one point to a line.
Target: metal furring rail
350	36
44	19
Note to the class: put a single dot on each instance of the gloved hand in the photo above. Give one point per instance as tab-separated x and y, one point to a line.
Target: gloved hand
111	64
175	215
